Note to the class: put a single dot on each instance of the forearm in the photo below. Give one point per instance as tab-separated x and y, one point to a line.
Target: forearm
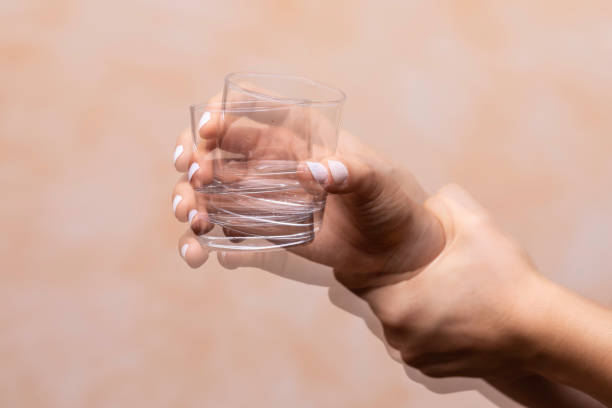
535	391
572	343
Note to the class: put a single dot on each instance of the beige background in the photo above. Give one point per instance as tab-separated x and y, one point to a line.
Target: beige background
510	98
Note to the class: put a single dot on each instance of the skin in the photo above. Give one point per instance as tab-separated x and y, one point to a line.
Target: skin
454	295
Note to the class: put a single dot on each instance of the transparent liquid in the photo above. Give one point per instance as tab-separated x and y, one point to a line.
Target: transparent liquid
260	205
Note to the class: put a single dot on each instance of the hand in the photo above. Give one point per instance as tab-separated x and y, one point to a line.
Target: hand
374	222
455	296
380	240
469	312
480	309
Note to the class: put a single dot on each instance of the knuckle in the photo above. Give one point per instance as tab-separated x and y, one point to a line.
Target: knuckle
394	337
391	314
435	371
410	357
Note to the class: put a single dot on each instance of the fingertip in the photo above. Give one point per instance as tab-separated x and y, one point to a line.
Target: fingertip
204	119
176	201
178	151
200	223
200	171
184	249
307	178
192	213
181	157
339	171
183	201
234	260
182	152
318	172
193	168
224	260
193	253
206	126
331	173
352	176
180	206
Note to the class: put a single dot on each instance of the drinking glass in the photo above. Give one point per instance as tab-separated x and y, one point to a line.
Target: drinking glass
256	140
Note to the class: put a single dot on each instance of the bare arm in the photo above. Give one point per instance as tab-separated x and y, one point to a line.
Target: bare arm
572	341
535	391
455	295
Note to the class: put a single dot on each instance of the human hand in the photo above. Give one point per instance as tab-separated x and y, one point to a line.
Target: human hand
380	240
469	312
353	235
480	309
455	296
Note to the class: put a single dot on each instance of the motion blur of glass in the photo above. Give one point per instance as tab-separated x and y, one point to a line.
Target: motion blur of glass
256	142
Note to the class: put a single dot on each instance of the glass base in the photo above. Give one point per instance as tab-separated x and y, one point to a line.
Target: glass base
216	239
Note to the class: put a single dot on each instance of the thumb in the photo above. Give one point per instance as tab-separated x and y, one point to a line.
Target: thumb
342	175
388	212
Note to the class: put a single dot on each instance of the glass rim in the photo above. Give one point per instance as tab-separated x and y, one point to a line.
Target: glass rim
340	95
236	106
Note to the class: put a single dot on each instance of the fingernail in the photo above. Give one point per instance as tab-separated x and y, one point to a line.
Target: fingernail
192	214
177	152
223	256
318	171
338	171
192	169
175	202
184	249
204	119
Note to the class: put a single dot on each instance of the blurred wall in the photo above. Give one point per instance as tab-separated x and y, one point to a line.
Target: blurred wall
512	99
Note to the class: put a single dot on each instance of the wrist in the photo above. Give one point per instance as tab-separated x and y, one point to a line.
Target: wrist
425	241
422	241
531	326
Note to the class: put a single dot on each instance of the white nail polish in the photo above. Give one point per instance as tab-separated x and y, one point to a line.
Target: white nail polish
192	214
338	171
204	119
184	249
177	152
192	169
318	171
175	202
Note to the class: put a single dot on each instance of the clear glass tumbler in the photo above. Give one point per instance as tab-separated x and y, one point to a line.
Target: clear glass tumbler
255	141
